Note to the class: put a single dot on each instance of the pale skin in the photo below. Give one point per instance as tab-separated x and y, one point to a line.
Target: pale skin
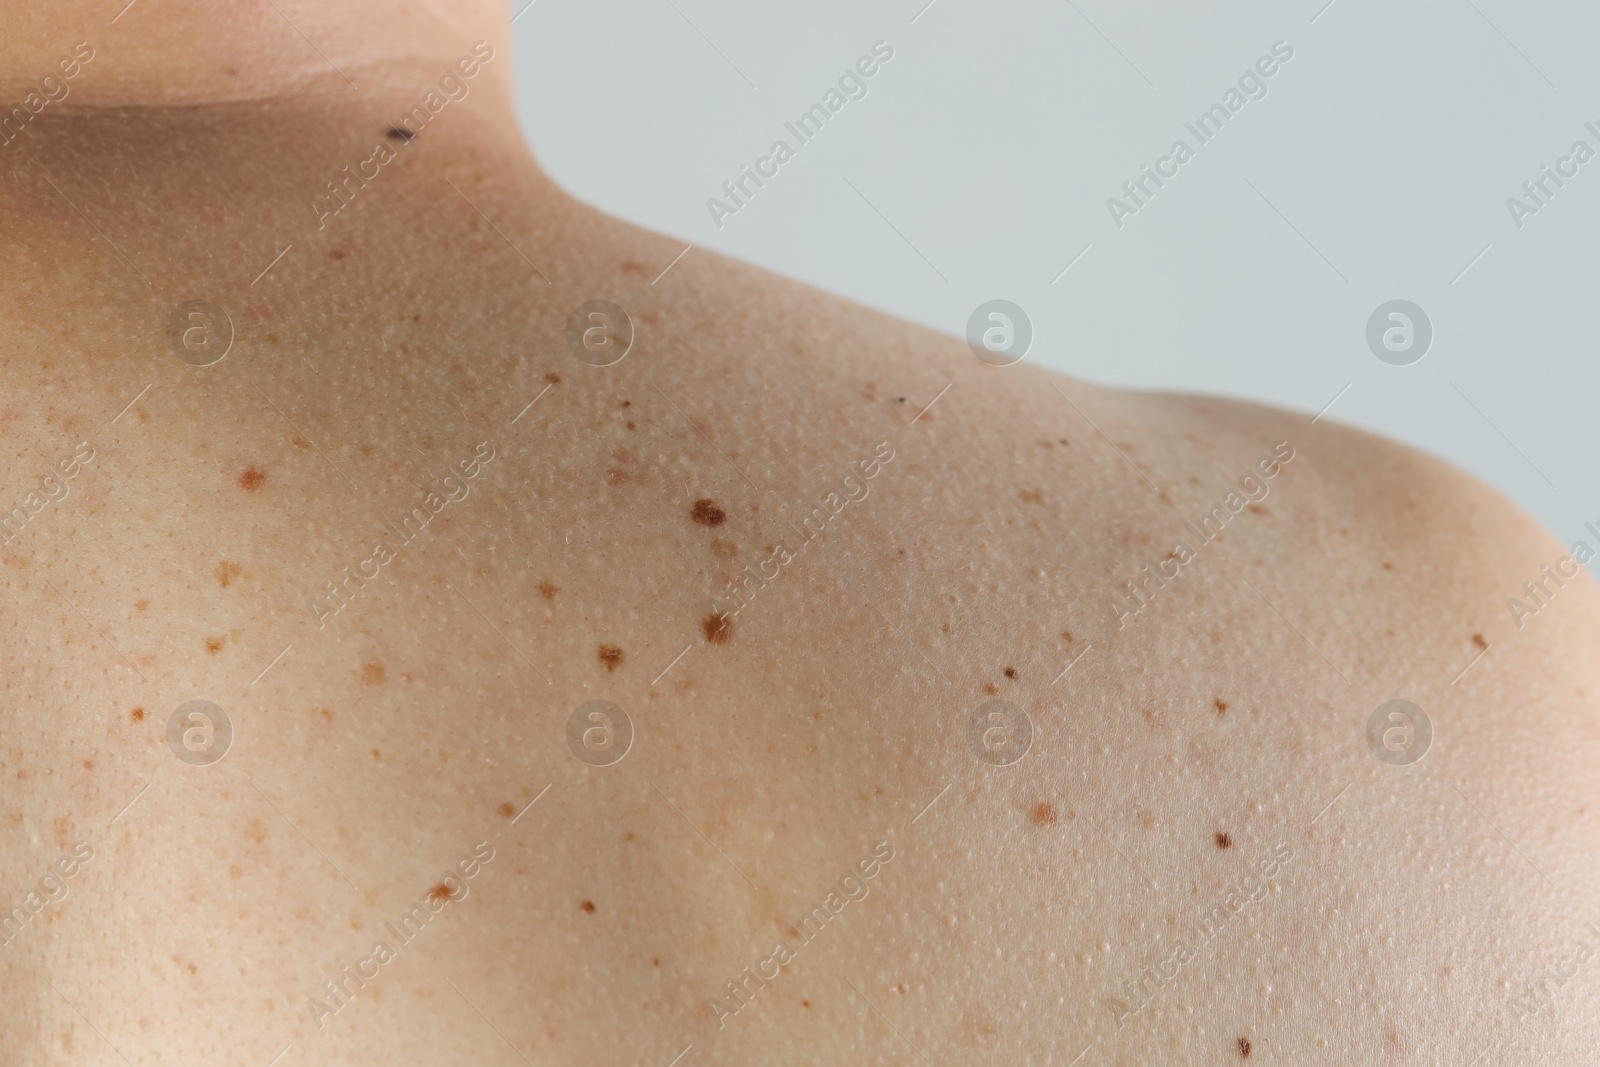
381	735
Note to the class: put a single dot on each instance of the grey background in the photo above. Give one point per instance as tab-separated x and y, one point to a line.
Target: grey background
1377	167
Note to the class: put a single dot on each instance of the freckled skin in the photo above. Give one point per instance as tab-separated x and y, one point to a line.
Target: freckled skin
830	714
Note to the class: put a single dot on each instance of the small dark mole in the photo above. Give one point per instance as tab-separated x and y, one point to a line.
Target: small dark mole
439	894
553	378
587	906
548	591
627	403
1011	672
628	836
611	656
1256	509
1244	1048
656	962
718	628
213	645
1221	706
137	715
1223	840
899	400
1478	640
396	133
416	318
1044	814
252	479
1388	566
805	1003
507	810
706	513
337	253
631	426
1068	635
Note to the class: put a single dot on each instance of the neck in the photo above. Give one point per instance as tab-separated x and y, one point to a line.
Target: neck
109	54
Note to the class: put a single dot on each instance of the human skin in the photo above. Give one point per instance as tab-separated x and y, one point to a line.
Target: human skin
771	753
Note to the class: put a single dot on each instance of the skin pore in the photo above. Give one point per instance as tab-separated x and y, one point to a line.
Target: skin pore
401	532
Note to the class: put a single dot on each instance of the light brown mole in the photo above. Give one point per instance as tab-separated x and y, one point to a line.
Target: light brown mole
587	906
439	894
252	479
226	572
611	656
1044	814
372	674
507	810
137	715
548	590
553	378
1478	640
142	605
214	645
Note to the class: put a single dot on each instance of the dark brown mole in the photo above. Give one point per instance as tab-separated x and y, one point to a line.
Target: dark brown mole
252	479
1223	840
1011	672
398	133
706	513
137	715
718	628
587	906
553	378
507	809
627	403
1244	1048
611	656
1221	706
1478	640
439	894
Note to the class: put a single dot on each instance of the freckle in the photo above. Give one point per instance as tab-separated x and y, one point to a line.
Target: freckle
1244	1048
1044	814
226	572
725	549
137	715
656	962
1068	635
632	266
627	403
611	656
439	894
548	591
252	479
88	764
1257	509
805	1003
372	674
507	810
706	513
553	378
627	837
193	969
256	831
1388	566
142	605
717	628
1223	840
214	645
989	687
235	872
616	476
398	133
1011	672
1063	440
377	757
587	906
337	253
1031	496
326	714
1478	640
1221	706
